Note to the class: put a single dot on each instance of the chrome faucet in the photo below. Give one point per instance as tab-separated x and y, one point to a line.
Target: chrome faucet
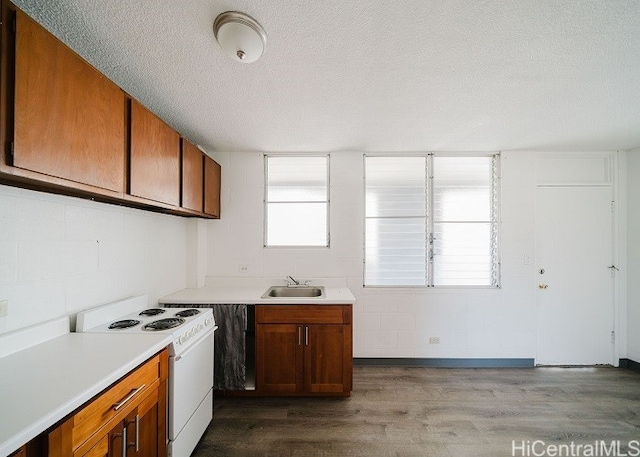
291	282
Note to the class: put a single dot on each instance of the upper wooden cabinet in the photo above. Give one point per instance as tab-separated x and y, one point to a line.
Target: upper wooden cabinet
212	178
69	119
64	127
155	157
192	176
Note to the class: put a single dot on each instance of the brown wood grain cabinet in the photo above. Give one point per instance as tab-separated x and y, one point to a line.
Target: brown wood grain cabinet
304	350
192	177
212	182
66	128
154	157
69	120
127	419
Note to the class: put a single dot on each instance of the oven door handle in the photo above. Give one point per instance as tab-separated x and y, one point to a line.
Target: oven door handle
195	343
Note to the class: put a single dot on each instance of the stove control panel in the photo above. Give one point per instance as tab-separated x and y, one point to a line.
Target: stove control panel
194	331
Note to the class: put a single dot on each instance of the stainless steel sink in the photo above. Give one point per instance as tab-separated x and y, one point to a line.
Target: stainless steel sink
294	292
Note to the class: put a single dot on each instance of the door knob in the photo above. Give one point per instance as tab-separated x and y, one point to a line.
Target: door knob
542	286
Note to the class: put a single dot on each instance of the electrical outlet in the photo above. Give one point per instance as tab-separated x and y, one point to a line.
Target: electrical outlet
243	269
4	308
434	340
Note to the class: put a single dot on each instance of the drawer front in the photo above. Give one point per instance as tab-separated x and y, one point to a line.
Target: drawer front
303	314
116	401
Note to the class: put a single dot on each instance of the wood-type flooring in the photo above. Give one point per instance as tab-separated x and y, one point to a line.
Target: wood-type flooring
397	411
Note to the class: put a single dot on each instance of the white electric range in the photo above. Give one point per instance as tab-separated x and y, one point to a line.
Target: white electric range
190	403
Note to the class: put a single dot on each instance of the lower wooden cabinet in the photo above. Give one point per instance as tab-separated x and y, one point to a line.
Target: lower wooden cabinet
128	419
304	350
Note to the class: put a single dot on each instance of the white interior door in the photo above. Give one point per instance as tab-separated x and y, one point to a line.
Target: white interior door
575	286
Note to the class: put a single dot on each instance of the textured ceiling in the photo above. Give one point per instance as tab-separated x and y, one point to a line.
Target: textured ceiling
374	75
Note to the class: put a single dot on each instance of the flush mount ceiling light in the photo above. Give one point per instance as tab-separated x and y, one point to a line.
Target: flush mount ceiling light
240	36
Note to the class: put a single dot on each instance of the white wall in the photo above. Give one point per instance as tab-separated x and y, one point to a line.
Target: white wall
59	255
633	255
390	323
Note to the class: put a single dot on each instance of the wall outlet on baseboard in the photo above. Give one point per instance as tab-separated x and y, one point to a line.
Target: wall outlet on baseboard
4	308
434	340
244	269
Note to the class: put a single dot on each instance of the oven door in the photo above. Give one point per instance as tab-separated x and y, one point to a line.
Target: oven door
190	381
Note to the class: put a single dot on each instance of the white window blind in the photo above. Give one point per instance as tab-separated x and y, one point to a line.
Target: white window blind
296	201
463	227
431	221
396	212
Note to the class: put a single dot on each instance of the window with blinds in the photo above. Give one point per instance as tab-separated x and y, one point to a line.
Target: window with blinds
296	201
431	221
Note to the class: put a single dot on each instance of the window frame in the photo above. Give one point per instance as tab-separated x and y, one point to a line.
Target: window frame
429	223
265	201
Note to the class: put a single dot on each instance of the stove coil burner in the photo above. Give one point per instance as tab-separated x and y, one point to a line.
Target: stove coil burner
152	312
188	312
127	323
163	324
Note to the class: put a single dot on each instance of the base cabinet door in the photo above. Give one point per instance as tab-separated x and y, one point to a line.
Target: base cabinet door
327	362
117	441
280	358
143	428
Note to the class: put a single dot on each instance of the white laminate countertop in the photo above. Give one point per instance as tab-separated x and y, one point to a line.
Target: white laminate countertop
42	384
251	294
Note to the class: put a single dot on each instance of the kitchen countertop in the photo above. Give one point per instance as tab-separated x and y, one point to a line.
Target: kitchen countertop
44	383
251	294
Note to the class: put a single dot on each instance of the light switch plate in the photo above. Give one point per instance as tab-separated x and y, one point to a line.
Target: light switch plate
4	308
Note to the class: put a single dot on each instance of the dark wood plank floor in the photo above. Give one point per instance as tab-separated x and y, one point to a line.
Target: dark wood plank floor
435	412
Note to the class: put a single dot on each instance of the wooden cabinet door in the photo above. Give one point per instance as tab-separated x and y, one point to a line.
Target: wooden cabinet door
69	120
212	182
327	358
279	359
117	441
192	177
155	157
144	429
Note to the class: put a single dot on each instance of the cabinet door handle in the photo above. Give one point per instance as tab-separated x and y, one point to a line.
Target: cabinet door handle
124	441
122	435
306	336
299	335
136	443
121	403
137	432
